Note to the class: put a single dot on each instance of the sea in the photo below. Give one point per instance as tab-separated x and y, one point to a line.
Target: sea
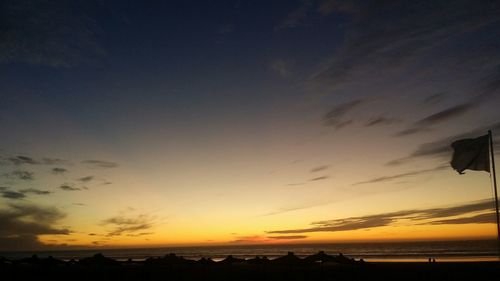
442	251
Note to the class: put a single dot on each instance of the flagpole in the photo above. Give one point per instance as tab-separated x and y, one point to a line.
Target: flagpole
492	153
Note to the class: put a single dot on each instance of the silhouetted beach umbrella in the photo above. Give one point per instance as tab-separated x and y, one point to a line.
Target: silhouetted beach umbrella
32	260
51	261
321	256
174	259
167	260
99	259
342	259
290	258
258	260
230	259
206	261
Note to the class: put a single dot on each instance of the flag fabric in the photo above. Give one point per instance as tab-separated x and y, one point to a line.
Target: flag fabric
471	154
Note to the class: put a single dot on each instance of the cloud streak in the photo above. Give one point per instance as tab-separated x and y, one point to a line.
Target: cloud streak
67	187
402	175
442	148
128	225
445	215
335	117
436	118
101	163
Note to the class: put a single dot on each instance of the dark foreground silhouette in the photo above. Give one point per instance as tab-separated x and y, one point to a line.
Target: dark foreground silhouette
319	266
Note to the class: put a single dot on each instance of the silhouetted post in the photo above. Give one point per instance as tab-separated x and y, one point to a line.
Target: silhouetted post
492	153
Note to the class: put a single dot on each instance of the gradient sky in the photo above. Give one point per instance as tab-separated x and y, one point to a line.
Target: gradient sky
149	123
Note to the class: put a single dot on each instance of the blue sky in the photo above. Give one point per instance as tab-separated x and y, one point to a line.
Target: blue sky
284	111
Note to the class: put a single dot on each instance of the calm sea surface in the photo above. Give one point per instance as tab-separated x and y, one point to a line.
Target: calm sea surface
477	250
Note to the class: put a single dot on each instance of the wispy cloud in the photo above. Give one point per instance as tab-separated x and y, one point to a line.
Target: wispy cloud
58	170
251	239
19	160
35	191
9	194
319	168
319	178
21	194
101	163
86	179
27	160
288	237
296	17
402	175
128	224
22	175
381	120
441	148
438	117
282	67
377	37
335	117
443	215
67	187
435	98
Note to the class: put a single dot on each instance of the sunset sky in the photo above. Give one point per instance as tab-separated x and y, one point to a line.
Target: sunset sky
152	123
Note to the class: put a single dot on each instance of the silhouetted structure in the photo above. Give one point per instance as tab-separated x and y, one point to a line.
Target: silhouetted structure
319	266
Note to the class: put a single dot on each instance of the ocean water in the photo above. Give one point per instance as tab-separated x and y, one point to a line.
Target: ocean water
473	250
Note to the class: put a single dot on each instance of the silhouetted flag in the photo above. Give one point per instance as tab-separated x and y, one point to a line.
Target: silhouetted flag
471	154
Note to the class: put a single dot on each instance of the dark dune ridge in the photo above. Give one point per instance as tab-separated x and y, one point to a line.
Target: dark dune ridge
320	266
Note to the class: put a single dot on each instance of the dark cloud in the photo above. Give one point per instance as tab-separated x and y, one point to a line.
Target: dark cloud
295	184
319	168
12	194
86	179
35	191
481	218
442	147
128	225
319	178
22	224
379	121
139	234
439	117
250	239
435	98
402	175
53	161
418	217
411	131
288	237
335	117
26	160
101	164
67	187
20	160
53	33
59	171
22	175
392	34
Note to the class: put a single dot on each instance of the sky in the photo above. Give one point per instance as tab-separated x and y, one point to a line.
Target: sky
159	123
